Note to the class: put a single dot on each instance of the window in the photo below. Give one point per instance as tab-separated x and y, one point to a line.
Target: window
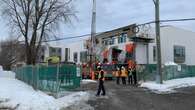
105	41
83	56
59	51
154	53
122	38
112	41
179	54
75	56
53	50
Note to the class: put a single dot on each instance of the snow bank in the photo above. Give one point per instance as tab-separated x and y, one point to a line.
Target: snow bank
1	68
87	81
170	85
18	93
6	74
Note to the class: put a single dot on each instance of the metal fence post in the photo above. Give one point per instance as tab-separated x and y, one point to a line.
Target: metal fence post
33	79
36	77
57	80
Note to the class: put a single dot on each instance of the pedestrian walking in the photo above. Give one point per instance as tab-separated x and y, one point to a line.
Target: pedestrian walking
101	83
123	75
130	76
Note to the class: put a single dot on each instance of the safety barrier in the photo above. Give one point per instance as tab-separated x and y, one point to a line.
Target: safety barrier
53	78
148	72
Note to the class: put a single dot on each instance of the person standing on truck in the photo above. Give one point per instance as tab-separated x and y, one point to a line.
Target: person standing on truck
101	82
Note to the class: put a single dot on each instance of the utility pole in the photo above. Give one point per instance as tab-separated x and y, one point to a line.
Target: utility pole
93	32
158	44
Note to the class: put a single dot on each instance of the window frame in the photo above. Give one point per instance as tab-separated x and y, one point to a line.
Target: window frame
179	54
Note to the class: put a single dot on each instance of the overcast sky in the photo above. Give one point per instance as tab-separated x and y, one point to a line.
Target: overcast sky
117	13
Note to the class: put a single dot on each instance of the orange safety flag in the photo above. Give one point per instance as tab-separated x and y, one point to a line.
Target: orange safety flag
93	75
130	47
131	64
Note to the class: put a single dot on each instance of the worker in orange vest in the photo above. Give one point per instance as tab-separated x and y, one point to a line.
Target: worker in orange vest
117	75
101	82
124	75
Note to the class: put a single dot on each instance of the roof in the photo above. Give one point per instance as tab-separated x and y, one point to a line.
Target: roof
142	39
118	30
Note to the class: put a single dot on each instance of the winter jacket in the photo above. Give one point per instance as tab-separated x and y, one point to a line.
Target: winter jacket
101	75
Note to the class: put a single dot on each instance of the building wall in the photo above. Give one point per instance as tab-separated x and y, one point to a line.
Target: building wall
141	54
76	47
171	36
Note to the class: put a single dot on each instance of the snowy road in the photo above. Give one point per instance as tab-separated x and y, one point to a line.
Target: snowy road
131	98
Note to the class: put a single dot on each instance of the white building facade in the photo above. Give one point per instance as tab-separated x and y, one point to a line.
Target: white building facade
177	45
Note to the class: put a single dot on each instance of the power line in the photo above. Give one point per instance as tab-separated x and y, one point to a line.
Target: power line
169	20
138	25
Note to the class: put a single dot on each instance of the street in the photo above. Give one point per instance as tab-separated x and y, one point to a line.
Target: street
120	97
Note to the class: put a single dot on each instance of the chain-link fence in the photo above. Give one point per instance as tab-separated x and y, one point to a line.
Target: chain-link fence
148	72
53	78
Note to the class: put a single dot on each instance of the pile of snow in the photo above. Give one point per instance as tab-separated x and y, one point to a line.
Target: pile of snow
87	81
16	94
170	64
1	68
170	85
6	74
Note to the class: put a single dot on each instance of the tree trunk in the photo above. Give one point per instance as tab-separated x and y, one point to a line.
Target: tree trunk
30	56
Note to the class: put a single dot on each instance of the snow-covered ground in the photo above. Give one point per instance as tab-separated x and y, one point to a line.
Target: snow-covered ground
6	74
16	94
170	85
87	81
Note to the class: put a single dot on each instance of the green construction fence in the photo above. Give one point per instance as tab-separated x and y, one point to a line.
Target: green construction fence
148	72
52	78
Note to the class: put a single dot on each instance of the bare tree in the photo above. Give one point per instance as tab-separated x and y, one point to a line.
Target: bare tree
10	53
36	20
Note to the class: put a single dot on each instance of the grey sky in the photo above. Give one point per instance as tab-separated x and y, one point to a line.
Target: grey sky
116	13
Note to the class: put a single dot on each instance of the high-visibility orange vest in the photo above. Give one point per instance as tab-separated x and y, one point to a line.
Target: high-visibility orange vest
124	73
117	73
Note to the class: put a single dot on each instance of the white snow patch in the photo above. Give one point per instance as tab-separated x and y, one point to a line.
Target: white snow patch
17	92
170	64
170	85
6	74
1	68
87	81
